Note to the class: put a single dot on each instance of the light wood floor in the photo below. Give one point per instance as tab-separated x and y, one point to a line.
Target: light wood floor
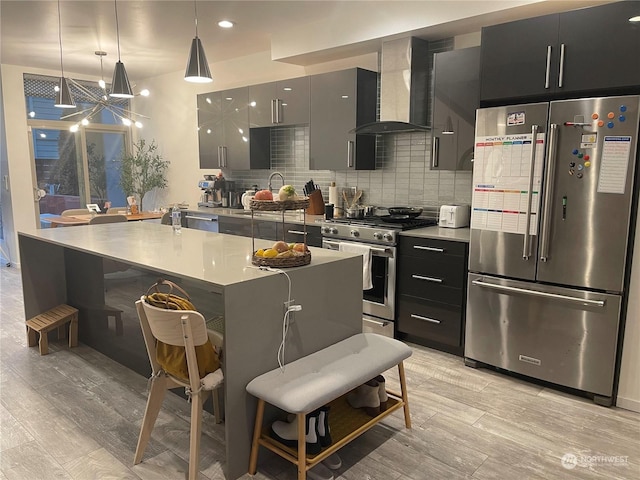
75	414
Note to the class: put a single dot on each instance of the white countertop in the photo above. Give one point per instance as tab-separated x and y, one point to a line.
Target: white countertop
455	234
211	257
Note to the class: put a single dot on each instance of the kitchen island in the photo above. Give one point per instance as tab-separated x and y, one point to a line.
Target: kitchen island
103	269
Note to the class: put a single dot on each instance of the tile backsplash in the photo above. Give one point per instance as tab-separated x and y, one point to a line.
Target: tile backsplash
402	175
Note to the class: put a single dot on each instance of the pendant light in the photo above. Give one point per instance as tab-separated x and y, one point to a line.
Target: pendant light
120	86
197	67
63	95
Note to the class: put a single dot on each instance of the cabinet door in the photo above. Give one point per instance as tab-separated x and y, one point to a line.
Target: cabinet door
292	98
210	130
235	114
294	233
339	102
456	98
261	107
281	103
519	59
430	320
602	48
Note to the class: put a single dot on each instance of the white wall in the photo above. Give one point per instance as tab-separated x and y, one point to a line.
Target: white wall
629	386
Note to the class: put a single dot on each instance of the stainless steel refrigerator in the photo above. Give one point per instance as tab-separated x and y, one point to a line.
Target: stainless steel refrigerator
553	190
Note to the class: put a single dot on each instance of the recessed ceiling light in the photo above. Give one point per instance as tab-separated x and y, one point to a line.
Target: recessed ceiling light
225	24
635	19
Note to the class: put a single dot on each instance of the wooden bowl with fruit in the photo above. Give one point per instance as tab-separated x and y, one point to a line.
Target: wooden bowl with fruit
285	199
282	254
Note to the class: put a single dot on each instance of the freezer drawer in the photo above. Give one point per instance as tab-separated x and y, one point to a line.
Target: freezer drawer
560	335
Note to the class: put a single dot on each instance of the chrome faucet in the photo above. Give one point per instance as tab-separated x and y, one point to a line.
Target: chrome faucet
273	175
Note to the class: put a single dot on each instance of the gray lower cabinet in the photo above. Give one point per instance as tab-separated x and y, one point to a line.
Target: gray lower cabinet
223	132
431	292
281	103
263	229
200	221
456	96
270	230
295	233
340	102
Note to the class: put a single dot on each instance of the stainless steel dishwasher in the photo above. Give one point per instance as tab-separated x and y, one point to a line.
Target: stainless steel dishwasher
201	221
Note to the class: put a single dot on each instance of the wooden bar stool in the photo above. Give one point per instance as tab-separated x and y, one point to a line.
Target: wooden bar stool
56	317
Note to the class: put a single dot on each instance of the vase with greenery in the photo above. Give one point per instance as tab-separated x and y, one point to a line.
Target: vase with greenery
142	170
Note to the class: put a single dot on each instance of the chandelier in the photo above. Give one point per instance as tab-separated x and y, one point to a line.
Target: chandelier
118	107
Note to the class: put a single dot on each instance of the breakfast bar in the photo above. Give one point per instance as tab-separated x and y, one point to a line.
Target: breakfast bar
103	269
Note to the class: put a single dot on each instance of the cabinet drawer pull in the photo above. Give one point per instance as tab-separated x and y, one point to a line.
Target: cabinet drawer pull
435	152
350	145
431	249
546	73
561	76
426	319
296	232
428	279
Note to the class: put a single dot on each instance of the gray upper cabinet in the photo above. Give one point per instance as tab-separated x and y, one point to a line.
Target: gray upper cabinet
281	103
587	51
223	132
456	96
341	101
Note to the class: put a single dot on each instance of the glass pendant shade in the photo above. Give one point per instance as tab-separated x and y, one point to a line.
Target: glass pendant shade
63	95
197	67
120	86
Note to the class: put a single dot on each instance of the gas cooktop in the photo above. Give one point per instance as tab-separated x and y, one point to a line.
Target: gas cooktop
398	222
373	229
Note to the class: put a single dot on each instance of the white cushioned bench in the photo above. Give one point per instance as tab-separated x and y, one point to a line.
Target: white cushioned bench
319	378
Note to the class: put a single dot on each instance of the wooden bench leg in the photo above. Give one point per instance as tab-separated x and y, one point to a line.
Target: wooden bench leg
405	397
44	342
257	429
302	446
32	338
73	331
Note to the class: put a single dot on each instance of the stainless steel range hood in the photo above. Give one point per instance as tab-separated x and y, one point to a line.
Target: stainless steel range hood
404	82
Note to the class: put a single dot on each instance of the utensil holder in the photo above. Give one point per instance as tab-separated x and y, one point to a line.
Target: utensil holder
316	203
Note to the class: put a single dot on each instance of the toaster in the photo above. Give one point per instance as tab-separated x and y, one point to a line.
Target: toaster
454	216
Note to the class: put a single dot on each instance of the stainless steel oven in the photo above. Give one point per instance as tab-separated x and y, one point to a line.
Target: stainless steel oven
378	303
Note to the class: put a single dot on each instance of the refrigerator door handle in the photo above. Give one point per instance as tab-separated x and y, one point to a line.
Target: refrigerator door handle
535	293
548	192
526	248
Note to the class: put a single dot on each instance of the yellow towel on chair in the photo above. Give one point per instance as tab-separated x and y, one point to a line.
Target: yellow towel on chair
172	358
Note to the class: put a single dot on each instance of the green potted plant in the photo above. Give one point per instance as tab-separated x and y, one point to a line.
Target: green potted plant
142	170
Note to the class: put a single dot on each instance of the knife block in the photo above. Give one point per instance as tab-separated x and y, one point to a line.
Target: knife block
316	203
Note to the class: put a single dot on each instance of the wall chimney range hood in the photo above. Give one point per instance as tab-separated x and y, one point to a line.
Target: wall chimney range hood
404	82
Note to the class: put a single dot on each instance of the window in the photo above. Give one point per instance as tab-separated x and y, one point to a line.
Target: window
80	166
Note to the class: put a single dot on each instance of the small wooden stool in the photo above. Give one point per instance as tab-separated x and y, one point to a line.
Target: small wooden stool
47	321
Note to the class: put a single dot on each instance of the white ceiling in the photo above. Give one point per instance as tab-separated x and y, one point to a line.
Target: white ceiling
155	36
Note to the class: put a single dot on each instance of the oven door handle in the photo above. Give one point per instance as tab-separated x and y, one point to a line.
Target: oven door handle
377	251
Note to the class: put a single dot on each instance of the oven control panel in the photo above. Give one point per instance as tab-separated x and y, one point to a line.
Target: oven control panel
366	234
